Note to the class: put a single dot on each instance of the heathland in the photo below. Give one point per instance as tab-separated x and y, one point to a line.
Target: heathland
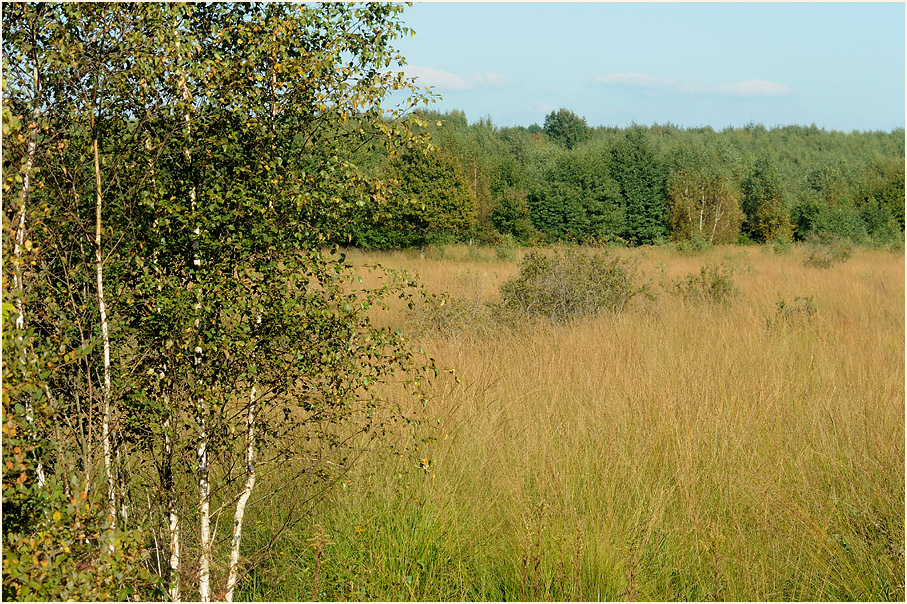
269	333
747	446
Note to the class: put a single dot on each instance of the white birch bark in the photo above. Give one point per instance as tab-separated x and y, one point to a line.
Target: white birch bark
173	524
19	245
718	213
204	487
233	573
175	565
204	508
196	261
105	339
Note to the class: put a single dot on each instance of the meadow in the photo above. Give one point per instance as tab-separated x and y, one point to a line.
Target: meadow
747	448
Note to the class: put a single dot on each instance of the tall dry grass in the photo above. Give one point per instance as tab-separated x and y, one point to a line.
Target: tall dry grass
677	451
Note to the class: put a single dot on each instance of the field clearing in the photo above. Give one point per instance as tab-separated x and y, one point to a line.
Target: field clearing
676	451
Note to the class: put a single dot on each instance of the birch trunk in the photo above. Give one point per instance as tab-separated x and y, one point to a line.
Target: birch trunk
105	337
204	470
196	261
204	508
173	524
175	560
19	245
718	213
233	573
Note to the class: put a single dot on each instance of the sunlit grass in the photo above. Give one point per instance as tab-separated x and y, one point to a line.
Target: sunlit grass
676	451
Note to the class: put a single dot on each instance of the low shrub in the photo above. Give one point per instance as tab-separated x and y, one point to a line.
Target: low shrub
563	287
824	251
694	245
798	313
474	254
713	285
782	245
450	316
506	248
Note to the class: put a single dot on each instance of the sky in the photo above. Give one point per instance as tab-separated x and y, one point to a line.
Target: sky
839	66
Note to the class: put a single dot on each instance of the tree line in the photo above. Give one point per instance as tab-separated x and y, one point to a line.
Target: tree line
176	328
178	323
567	181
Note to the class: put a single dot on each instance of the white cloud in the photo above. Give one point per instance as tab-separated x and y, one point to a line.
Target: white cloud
756	89
445	80
651	86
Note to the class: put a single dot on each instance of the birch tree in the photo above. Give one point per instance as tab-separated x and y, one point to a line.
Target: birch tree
704	194
204	156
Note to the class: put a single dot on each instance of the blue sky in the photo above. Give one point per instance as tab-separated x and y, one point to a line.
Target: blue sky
838	65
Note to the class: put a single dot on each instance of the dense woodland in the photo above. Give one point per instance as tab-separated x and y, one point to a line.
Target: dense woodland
178	322
567	181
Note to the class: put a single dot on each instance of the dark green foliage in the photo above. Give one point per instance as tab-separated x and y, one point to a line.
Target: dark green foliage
566	128
511	216
562	287
813	217
792	181
579	201
432	203
881	201
641	178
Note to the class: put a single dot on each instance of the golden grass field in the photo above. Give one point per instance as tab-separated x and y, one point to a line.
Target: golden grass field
676	451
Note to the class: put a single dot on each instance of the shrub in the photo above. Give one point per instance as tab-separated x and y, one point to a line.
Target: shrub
476	255
506	248
782	245
824	251
798	313
697	243
563	287
713	285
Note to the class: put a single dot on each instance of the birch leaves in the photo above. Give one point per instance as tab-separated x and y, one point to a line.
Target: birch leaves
193	159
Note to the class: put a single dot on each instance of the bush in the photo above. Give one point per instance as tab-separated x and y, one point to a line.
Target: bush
782	245
697	243
824	251
798	313
713	285
563	287
506	248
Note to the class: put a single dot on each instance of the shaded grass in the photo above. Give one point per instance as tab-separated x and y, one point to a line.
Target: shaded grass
676	452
